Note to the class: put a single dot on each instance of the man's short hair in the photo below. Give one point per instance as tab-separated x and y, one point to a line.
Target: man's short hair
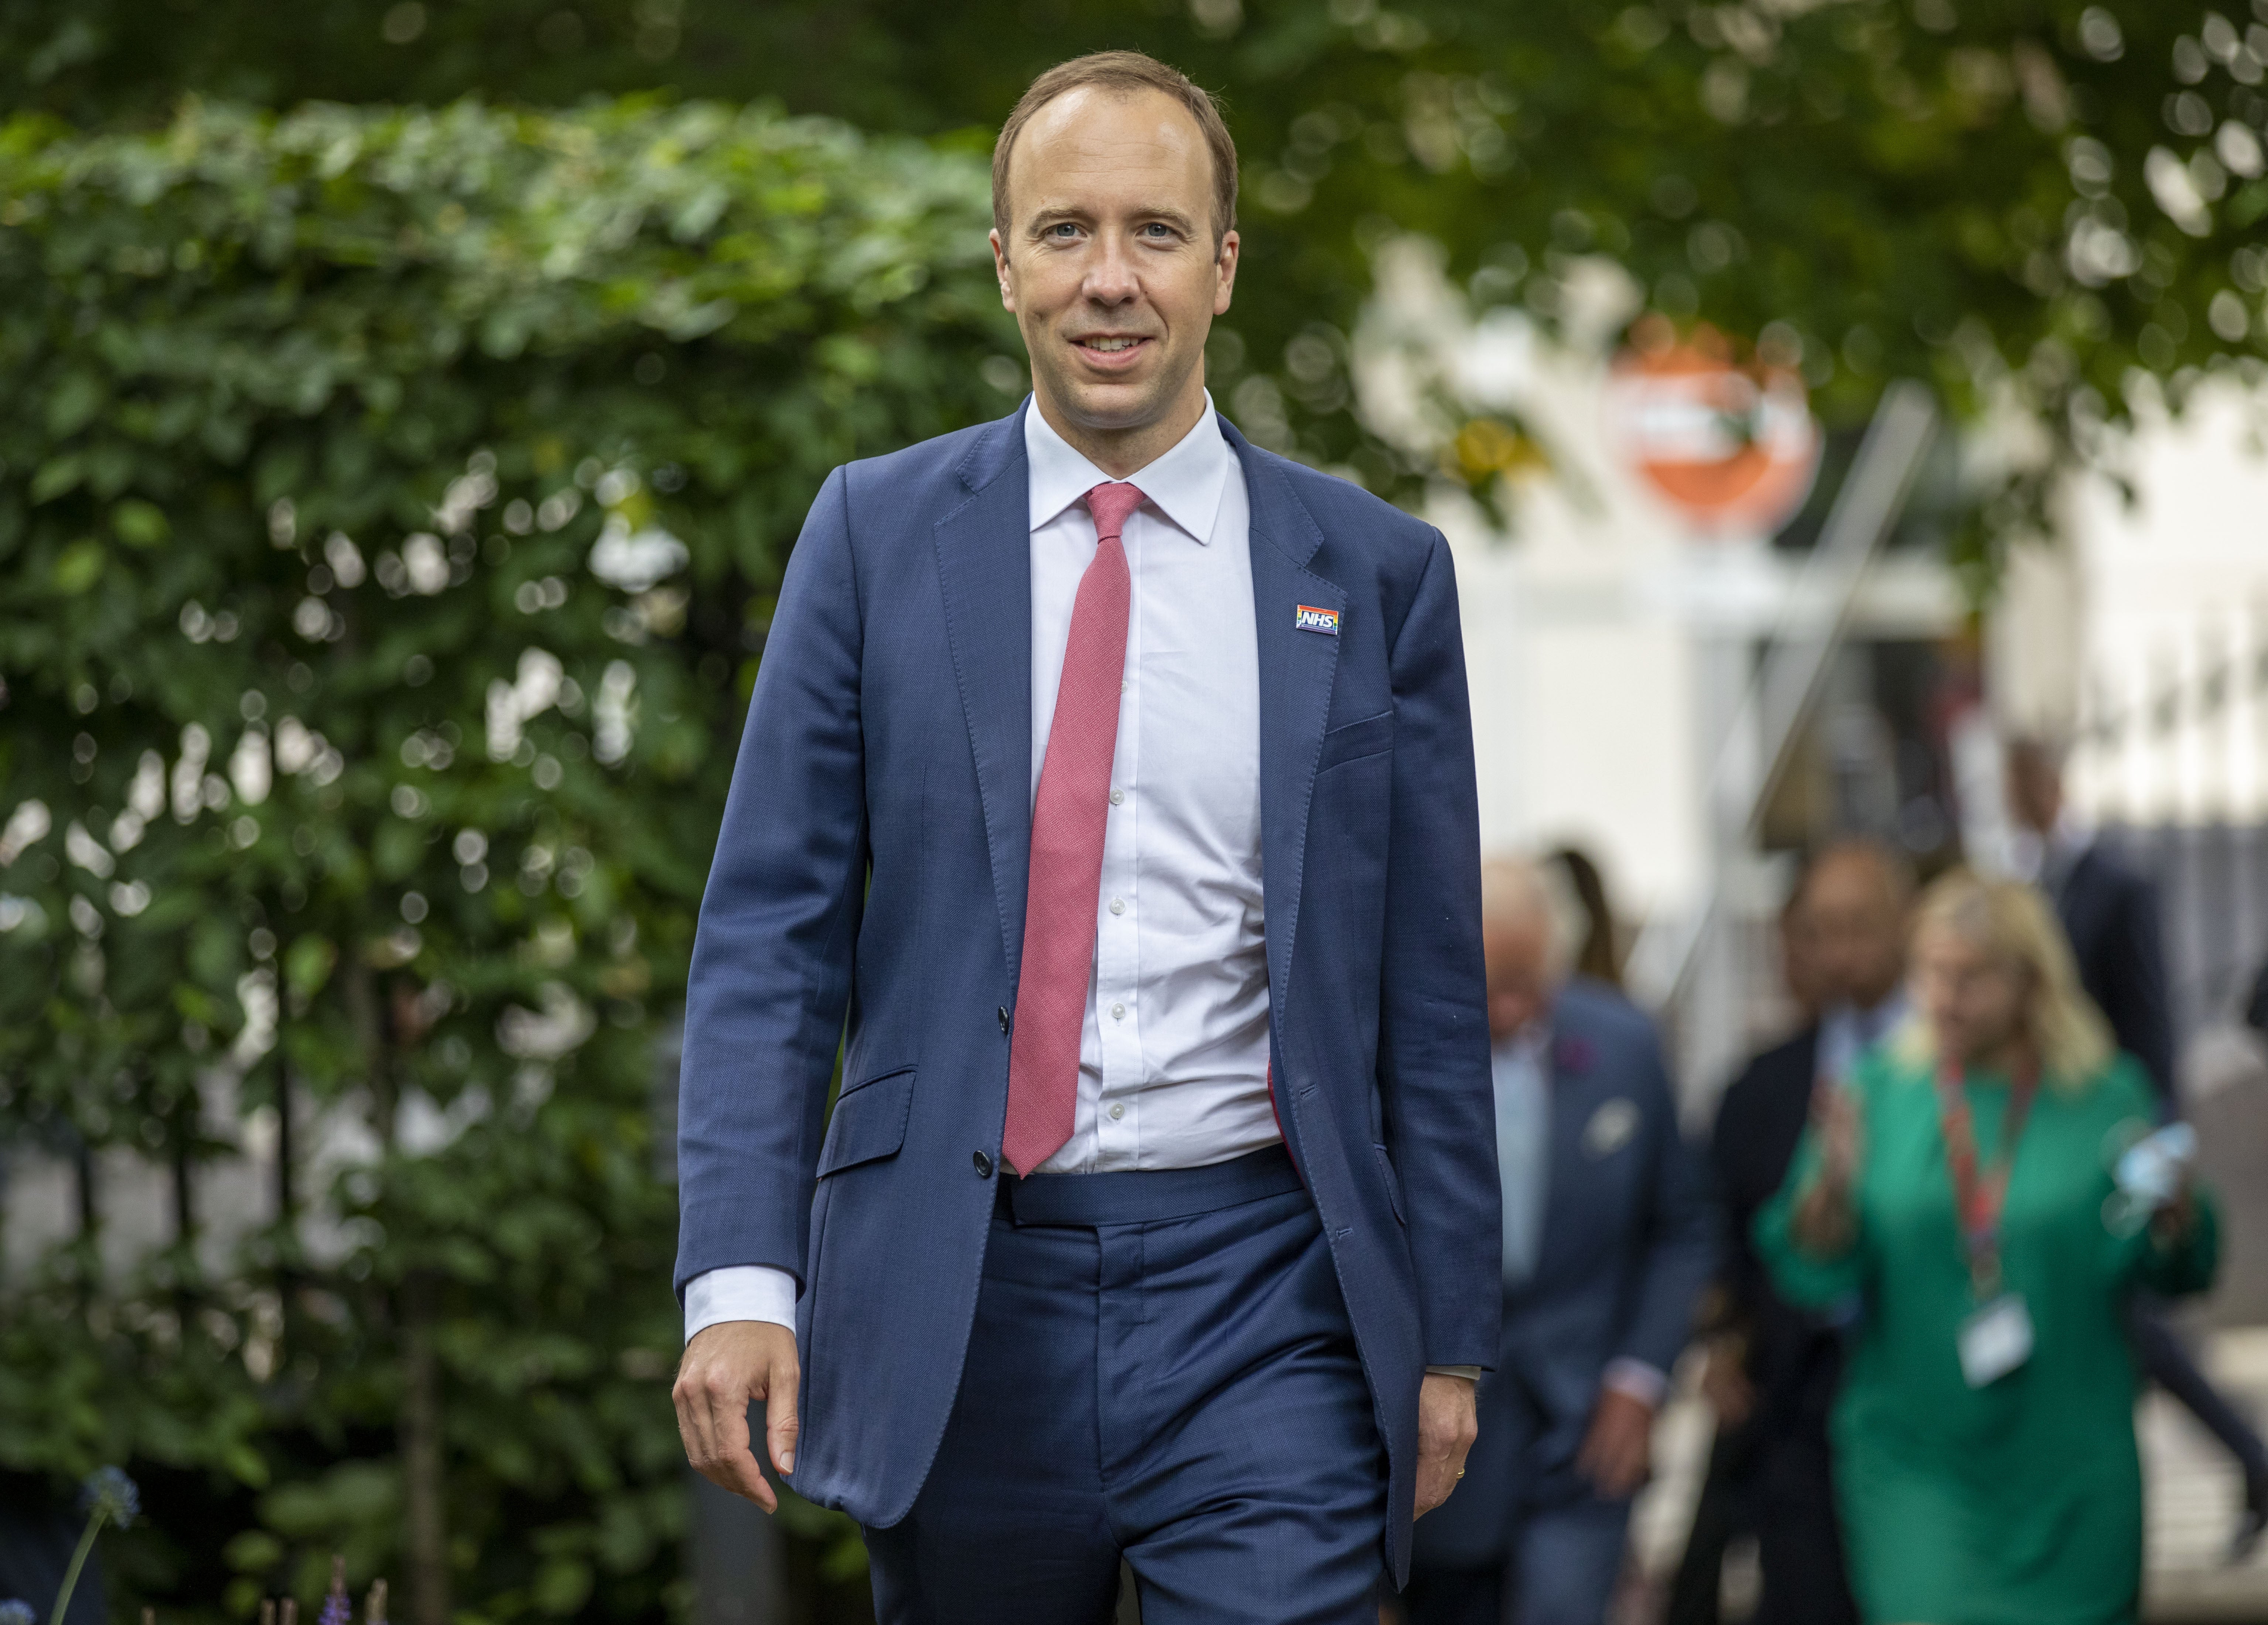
1895	868
2050	751
1517	891
1122	73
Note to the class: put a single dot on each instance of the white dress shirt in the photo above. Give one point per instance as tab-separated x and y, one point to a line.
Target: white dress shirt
1847	1032
2047	860
1174	1051
1173	1062
1522	1068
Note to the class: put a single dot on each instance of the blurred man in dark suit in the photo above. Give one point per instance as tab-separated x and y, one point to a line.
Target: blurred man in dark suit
1609	1239
2109	912
1772	1368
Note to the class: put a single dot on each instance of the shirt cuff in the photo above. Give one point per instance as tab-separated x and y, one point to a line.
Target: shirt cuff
739	1292
1471	1373
1646	1383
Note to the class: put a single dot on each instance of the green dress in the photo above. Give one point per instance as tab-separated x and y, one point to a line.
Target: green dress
2020	1503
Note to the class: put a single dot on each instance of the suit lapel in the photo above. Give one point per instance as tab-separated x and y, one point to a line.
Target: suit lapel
1574	1088
1296	673
984	564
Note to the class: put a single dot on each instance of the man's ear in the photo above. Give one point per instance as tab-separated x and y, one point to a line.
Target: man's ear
1000	269
1224	262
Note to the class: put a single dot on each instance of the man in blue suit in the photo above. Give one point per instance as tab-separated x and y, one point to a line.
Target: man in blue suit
1115	778
1608	1240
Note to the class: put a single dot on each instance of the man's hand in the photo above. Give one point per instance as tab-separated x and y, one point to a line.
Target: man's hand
1617	1451
726	1368
1725	1382
1842	1136
1445	1430
1826	1221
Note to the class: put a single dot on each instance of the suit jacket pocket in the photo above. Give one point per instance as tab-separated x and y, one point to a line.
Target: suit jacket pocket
1393	1186
869	1122
1355	740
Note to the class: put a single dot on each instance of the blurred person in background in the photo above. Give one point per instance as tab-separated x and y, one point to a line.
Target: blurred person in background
1956	1192
1772	1367
2110	915
2108	909
1608	1239
1599	956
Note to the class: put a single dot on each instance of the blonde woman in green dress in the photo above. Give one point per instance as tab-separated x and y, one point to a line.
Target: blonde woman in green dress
1985	1461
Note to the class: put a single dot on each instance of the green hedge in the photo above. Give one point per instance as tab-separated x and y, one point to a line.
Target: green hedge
390	506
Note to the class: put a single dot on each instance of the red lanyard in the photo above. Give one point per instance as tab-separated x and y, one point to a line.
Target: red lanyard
1980	1194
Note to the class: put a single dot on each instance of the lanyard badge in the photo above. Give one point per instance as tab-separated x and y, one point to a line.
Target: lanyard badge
1996	1337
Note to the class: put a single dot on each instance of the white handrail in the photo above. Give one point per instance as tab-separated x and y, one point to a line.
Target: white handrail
1779	696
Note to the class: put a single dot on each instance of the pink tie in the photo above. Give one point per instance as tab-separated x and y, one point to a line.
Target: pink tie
1068	816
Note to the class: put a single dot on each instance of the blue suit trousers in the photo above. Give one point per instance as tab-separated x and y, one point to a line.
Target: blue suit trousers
1566	1557
1185	1394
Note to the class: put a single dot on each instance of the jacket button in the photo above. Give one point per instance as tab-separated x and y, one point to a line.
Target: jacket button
983	1165
1004	1019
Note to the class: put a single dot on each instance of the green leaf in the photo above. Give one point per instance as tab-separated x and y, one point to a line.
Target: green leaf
73	403
247	1465
254	1549
563	1586
55	476
79	566
307	965
139	524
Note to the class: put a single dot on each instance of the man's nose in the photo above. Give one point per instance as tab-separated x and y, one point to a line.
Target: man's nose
1110	276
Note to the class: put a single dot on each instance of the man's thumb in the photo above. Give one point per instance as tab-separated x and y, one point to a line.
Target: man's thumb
780	1421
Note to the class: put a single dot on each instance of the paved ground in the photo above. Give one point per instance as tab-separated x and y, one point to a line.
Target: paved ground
2194	1491
2191	1485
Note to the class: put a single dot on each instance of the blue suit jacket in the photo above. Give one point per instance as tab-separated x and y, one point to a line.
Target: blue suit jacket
873	860
1630	1240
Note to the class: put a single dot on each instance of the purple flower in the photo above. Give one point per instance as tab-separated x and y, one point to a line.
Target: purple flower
336	1609
108	1494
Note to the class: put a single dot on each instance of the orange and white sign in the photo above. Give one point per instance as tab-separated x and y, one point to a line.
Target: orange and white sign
1733	448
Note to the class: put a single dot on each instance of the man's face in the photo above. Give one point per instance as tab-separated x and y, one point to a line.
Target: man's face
1109	263
1852	931
1799	962
2035	788
1520	986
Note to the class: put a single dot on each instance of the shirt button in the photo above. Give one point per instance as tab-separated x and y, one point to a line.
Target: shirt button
1118	1012
1117	1112
1117	798
1118	904
983	1165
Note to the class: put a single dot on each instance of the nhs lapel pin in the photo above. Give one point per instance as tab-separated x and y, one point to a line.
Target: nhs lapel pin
1307	618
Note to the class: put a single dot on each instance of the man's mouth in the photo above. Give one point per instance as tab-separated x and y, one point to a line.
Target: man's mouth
1111	345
